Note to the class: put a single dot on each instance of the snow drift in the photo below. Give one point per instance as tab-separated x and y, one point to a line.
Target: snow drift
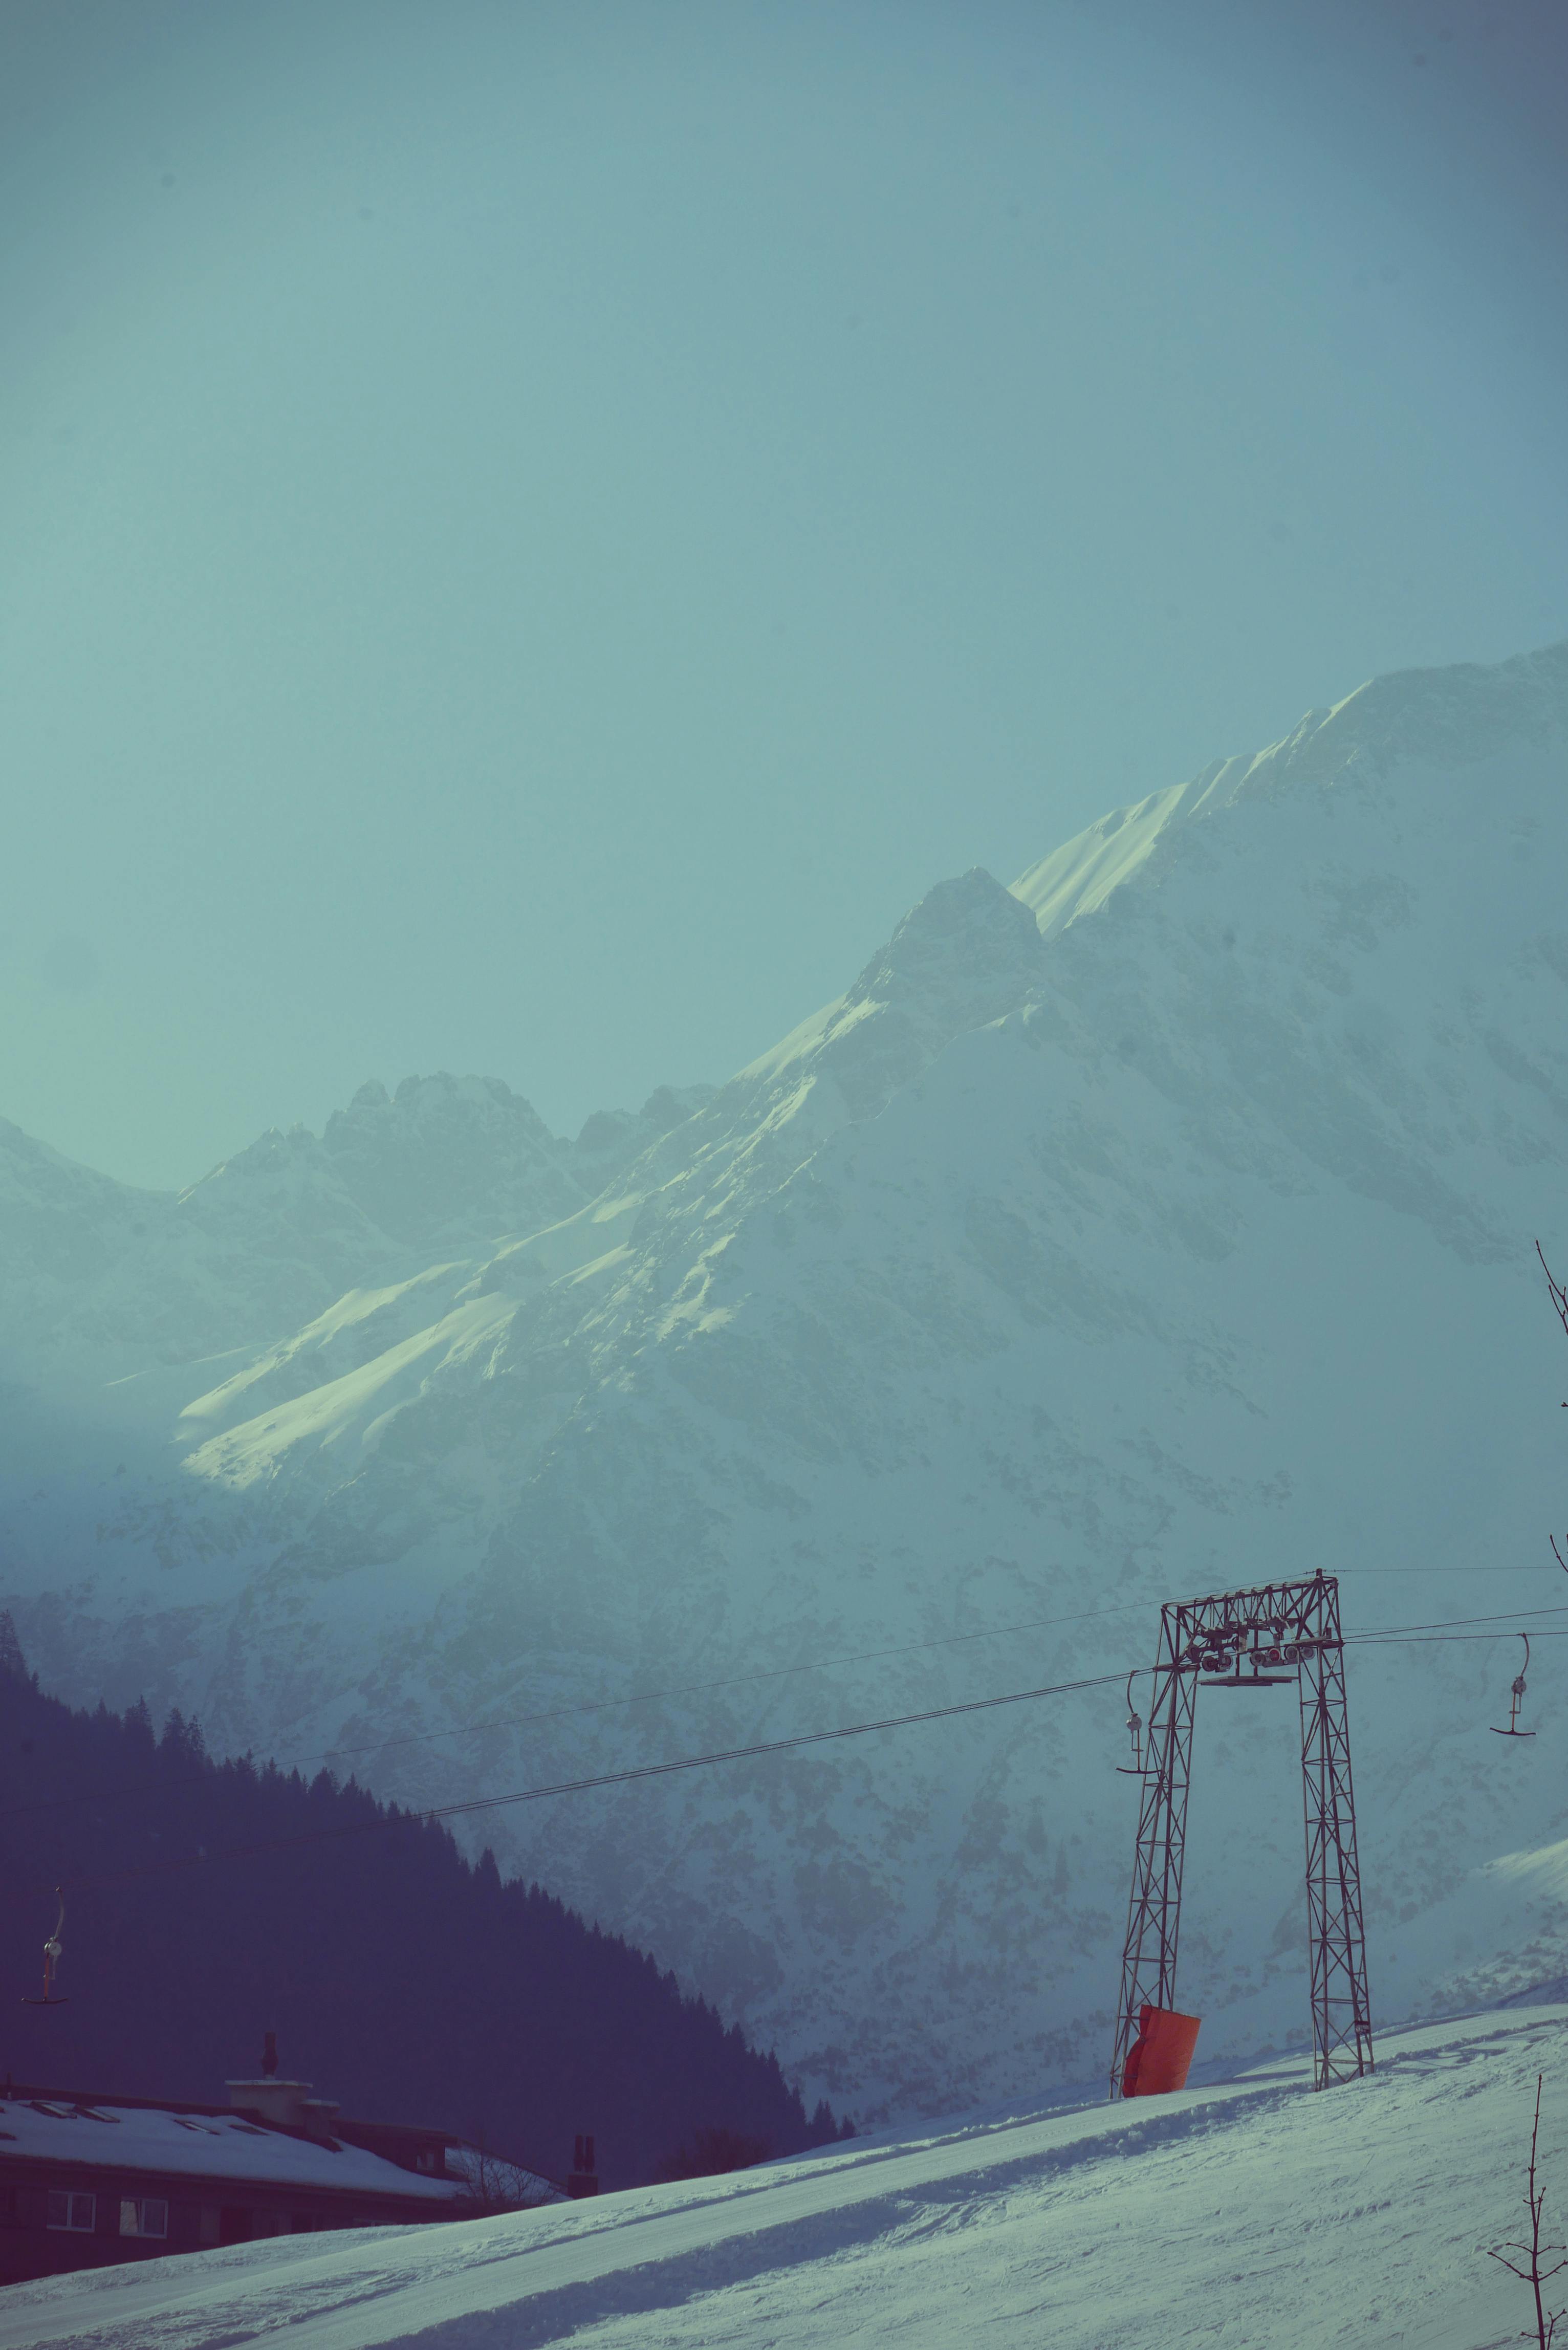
1253	2212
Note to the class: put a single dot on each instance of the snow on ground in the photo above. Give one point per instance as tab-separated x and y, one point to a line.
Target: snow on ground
1250	2213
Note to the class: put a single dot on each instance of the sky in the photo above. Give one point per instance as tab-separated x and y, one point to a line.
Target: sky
530	534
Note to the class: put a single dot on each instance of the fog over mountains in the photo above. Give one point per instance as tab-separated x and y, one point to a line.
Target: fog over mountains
1161	1223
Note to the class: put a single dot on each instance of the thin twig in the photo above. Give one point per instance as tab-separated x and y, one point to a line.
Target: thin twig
1559	1295
1535	2276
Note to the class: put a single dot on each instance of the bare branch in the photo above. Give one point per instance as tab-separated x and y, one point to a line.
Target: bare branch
1534	2275
1559	1295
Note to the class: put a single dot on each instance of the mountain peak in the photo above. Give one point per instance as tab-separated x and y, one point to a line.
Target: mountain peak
441	1096
1453	716
969	944
966	955
446	1154
1440	718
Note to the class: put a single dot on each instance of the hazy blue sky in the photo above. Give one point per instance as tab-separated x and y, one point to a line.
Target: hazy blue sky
530	533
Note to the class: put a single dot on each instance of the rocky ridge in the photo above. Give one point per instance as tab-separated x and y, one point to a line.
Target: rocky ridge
1161	1223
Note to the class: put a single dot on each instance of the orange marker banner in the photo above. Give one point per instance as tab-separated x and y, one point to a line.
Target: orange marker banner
1159	2058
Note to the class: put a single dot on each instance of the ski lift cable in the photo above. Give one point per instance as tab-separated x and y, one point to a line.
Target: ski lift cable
732	1681
1451	1623
613	1704
397	1817
122	1795
1436	1640
813	1665
400	1815
1419	1633
702	1688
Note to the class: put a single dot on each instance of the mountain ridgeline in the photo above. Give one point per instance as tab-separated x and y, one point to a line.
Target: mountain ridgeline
206	1903
1161	1224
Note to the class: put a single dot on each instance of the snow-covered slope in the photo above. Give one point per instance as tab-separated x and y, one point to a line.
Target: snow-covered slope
1161	1224
1242	2215
95	1273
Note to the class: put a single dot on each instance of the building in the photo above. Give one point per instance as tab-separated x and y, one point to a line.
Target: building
85	2181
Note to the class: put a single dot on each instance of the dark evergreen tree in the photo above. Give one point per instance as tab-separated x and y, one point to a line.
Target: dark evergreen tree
207	1903
12	1661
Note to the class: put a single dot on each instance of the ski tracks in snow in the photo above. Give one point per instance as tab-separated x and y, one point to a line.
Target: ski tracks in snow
1248	2214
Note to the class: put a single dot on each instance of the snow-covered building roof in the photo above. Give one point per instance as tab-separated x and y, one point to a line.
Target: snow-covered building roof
196	2143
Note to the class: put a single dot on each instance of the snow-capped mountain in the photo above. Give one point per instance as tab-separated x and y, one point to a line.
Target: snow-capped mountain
99	1271
1161	1224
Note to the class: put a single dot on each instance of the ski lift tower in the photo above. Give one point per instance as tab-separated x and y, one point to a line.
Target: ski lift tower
1279	1633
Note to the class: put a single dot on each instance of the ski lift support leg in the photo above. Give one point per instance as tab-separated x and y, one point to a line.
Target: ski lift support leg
1154	1909
1341	2015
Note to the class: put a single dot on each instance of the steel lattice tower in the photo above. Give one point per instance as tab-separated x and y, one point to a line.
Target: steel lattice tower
1236	1639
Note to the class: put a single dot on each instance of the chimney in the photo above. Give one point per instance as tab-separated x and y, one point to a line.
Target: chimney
283	2104
582	2179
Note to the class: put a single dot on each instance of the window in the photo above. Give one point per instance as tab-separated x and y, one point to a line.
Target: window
144	2215
78	2212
